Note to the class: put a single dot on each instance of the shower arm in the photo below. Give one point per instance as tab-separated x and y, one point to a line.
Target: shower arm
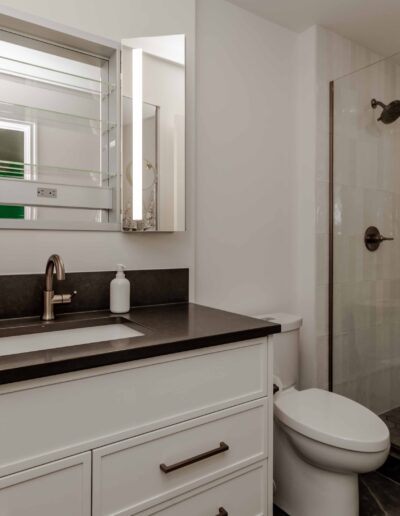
375	103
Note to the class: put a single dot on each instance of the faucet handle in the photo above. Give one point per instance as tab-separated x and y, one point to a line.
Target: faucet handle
68	297
63	299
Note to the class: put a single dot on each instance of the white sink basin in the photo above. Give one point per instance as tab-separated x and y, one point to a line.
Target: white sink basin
63	338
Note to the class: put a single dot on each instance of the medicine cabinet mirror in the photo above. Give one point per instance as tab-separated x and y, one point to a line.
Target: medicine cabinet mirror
81	150
153	133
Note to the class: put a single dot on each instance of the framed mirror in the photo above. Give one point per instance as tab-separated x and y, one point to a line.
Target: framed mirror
79	148
153	134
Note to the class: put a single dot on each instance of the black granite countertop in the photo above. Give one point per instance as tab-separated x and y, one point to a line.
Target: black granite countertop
166	329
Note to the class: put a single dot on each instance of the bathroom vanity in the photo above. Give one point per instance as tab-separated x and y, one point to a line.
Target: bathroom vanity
175	420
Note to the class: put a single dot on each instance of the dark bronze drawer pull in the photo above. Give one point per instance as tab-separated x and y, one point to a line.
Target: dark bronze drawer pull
222	512
168	469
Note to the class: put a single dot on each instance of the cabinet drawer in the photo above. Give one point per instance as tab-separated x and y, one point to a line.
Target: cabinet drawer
241	494
133	475
120	402
60	488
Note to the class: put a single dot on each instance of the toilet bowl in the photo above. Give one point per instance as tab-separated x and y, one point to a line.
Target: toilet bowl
322	440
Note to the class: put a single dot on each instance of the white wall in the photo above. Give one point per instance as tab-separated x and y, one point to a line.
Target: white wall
306	151
26	251
245	161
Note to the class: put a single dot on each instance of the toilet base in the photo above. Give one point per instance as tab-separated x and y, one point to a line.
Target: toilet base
305	490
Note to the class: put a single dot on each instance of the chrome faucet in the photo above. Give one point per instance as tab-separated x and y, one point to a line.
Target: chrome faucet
49	298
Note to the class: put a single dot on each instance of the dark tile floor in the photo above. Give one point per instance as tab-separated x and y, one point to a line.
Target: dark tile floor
379	491
392	419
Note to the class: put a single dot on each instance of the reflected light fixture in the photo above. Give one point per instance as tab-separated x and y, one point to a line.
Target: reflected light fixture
137	134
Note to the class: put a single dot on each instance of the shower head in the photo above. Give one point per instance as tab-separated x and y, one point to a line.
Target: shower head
390	112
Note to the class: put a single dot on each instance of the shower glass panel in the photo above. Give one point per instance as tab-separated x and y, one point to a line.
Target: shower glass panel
365	191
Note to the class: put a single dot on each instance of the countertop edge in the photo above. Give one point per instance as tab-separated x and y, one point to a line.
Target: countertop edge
36	371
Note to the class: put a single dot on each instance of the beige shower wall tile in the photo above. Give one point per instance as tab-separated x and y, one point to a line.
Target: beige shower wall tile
322	310
322	259
322	207
348	210
323	362
348	259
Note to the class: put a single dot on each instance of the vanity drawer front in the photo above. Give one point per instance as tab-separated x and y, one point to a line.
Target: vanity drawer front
120	402
135	474
241	494
61	488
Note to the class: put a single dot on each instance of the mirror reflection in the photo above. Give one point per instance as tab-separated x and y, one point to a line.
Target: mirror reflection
55	136
153	133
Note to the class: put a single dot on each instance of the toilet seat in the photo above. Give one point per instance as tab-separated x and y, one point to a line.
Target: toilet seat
332	419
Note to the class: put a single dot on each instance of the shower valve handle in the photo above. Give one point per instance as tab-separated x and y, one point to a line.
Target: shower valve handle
373	238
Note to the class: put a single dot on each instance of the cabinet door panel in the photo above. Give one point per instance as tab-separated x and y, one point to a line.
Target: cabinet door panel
60	488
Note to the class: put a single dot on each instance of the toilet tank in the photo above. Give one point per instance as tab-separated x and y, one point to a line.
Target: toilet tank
286	348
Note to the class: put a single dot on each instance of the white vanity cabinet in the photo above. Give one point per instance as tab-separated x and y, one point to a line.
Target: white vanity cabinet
60	488
187	433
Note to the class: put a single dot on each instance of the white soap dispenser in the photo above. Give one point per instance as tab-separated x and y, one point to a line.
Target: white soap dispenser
120	292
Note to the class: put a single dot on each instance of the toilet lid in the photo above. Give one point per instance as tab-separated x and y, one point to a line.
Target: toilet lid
332	419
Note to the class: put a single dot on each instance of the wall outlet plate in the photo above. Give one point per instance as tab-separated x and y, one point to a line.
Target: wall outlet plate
50	193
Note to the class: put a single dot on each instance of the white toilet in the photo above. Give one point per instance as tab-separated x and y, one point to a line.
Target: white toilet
321	440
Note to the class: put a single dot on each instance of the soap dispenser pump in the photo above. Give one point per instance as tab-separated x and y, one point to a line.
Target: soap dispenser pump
120	292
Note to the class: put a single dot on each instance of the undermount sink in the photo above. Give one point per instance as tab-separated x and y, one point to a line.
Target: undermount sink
43	336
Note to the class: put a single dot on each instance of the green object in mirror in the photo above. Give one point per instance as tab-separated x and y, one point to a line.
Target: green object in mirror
12	212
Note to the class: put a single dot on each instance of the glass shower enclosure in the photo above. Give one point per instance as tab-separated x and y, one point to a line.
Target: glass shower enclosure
364	270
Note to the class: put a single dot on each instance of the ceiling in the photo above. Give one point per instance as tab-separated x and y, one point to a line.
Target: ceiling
374	24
